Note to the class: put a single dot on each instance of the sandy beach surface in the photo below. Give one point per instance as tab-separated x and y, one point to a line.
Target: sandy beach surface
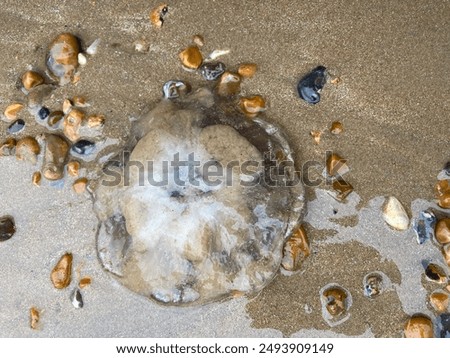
392	59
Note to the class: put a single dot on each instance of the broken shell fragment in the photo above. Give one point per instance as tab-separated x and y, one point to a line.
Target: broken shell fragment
12	111
62	59
96	120
36	179
337	128
211	71
72	124
83	147
67	106
424	226
395	214
419	326
342	189
79	186
27	149
73	168
439	301
55	155
442	231
34	317
316	136
296	249
16	127
436	273
79	101
93	47
84	282
251	106
336	165
373	285
8	147
31	79
76	298
55	118
311	84
7	228
229	84
174	89
157	15
247	70
198	40
191	58
62	272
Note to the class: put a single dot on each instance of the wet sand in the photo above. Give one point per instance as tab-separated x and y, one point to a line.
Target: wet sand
392	59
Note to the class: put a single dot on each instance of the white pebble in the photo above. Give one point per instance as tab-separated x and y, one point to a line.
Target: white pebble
394	214
82	60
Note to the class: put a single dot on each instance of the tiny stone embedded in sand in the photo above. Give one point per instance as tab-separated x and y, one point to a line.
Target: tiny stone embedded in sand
34	317
73	168
7	228
247	70
79	185
252	106
62	272
395	214
229	84
191	58
12	111
442	231
36	178
31	79
84	282
336	165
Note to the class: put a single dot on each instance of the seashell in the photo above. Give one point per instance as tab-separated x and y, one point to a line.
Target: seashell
27	149
191	58
211	71
12	111
442	231
336	165
36	179
141	46
34	317
337	128
157	15
198	40
316	136
436	273
174	88
43	113
76	298
93	47
54	119
296	249
8	147
424	226
84	282
251	106
373	285
82	60
342	189
16	127
96	120
419	326
62	272
62	59
7	228
72	124
395	214
310	85
31	79
446	253
439	301
73	168
79	185
229	84
83	147
55	155
216	54
247	70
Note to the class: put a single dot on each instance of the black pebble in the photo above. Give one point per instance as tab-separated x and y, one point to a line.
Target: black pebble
444	325
447	168
83	147
310	85
212	71
43	113
16	126
7	228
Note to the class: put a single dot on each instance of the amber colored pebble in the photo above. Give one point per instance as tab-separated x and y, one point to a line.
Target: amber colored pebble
12	111
72	124
36	179
336	81
8	146
335	301
73	168
247	70
84	282
439	301
34	317
62	272
342	188
316	136
419	327
296	249
251	106
79	101
96	120
27	149
441	187
336	127
334	163
444	200
446	253
198	40
79	186
442	231
67	106
191	57
157	14
229	84
31	79
55	155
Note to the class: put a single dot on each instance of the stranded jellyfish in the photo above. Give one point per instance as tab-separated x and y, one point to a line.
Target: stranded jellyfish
198	205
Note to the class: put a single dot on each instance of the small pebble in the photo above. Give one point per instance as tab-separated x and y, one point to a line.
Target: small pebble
67	106
229	84
31	79
174	89
36	179
34	317
342	189
316	136
336	81
72	123
395	214
424	226
157	15
8	147
96	120
247	70
252	106
54	119
76	298
191	58
439	301
7	228
296	249
310	85
43	113
141	46
73	168
442	231
84	282
55	154
83	147
80	101
336	128
62	272
79	185
211	71
446	254
62	59
373	284
82	60
444	200
93	47
198	40
27	149
12	111
419	327
16	127
444	325
441	187
335	301
436	273
336	165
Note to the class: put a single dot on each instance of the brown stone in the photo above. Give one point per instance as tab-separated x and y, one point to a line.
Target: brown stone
12	111
27	149
36	179
54	119
337	128
444	200
73	168
419	327
31	79
442	231
253	105
229	84
439	301
72	124
247	70
8	147
157	15
336	300
96	120
63	57
79	185
446	253
316	136
342	188
34	317
84	282
336	164
62	272
191	57
55	156
296	249
67	106
79	101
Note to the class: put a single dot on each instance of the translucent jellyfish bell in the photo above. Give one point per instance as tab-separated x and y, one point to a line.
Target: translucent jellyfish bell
200	208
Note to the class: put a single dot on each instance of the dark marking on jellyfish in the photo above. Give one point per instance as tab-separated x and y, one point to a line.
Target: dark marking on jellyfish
311	84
